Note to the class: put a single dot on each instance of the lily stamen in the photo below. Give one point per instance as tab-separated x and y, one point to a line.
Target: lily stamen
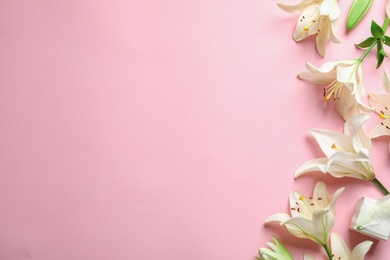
309	207
383	116
332	88
306	28
335	147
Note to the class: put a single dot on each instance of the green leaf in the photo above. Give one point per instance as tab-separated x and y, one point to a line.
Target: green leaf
380	60
381	54
376	30
357	11
283	249
386	40
367	42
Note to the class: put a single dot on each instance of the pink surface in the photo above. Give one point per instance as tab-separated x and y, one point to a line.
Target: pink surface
162	129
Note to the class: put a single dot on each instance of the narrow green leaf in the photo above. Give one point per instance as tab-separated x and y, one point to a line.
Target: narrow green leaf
380	60
283	249
386	40
380	54
367	42
376	30
357	11
383	53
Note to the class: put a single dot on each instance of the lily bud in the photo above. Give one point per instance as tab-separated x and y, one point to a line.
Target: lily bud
358	10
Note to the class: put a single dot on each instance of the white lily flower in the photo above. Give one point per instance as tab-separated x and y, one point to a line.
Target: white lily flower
318	17
311	217
381	103
347	154
336	76
372	218
341	251
277	252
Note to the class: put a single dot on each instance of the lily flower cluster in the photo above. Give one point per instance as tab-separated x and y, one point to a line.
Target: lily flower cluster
347	153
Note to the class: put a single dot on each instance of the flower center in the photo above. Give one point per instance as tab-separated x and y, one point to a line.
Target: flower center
313	21
332	88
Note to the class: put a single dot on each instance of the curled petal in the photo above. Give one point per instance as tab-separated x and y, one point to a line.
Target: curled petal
279	217
317	78
360	139
331	8
333	29
388	9
296	8
360	251
318	164
385	77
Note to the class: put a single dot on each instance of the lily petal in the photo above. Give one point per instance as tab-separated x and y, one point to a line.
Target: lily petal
348	165
320	194
333	29
305	26
371	219
279	217
331	142
296	8
334	198
339	249
317	77
309	257
381	103
346	105
331	8
318	164
315	229
385	77
360	251
360	139
381	129
388	9
323	35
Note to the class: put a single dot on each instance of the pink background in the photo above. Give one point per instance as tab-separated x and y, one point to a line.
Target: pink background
163	129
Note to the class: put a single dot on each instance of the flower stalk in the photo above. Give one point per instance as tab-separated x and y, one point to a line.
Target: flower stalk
381	187
328	252
386	23
367	51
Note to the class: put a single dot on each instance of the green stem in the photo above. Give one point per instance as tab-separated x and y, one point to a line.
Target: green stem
328	252
380	186
386	24
367	51
384	27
